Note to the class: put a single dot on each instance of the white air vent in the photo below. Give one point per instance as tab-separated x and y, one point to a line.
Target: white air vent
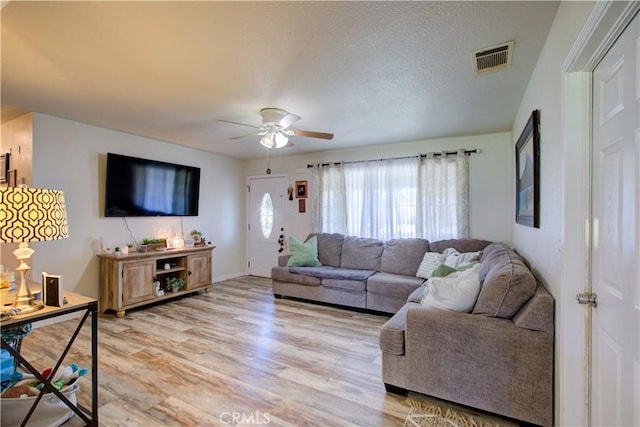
493	58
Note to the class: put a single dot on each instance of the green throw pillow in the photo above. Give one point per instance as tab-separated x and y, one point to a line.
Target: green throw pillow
443	270
303	254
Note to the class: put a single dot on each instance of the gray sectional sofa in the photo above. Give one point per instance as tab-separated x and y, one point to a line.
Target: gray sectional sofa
497	358
355	272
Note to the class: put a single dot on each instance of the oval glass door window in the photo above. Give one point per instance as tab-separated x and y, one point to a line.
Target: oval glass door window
266	215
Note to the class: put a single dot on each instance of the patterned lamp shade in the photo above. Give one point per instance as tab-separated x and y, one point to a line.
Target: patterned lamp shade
32	215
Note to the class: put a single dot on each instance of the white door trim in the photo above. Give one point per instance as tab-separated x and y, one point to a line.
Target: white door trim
606	22
246	214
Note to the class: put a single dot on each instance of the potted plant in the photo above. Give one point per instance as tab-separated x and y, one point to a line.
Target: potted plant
153	244
174	284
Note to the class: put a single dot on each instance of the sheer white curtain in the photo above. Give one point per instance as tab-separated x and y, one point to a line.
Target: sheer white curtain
444	193
394	198
381	198
328	199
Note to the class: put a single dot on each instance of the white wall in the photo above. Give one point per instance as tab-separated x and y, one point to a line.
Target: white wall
71	156
491	175
16	140
543	247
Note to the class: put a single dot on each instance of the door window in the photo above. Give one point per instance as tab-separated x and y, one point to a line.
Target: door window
266	215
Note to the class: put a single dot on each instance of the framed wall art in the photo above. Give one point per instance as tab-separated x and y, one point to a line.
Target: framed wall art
301	189
4	167
528	173
302	205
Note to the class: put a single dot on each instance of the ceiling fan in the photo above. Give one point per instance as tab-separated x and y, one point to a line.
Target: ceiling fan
275	128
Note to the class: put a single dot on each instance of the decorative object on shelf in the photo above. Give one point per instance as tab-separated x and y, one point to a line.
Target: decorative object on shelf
4	167
528	173
301	189
142	248
159	290
174	284
30	215
52	290
196	236
124	250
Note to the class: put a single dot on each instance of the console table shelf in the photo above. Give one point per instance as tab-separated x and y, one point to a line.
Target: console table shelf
75	303
128	281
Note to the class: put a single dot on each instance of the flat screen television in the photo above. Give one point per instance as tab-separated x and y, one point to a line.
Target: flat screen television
142	187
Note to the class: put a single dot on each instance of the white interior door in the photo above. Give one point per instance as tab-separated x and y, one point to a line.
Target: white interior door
615	345
267	210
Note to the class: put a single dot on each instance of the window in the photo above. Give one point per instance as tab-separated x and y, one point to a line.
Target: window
394	198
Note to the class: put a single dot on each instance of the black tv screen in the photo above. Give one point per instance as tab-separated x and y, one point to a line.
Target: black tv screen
142	187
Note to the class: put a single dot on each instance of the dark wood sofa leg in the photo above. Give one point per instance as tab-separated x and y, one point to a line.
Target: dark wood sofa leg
396	390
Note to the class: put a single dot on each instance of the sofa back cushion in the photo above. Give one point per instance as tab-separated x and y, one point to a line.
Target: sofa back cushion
507	282
403	256
329	248
461	245
361	253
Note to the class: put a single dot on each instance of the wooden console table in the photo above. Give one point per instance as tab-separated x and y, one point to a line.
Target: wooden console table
74	303
128	281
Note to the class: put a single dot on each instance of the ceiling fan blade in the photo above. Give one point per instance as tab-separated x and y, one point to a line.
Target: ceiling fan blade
311	134
288	120
247	135
238	123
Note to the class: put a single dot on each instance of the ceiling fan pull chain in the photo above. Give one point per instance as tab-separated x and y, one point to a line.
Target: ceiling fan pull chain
268	166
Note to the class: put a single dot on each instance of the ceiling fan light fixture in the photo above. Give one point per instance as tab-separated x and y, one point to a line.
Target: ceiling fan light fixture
267	140
281	140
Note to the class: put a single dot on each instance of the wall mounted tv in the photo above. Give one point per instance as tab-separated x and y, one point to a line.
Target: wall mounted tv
142	187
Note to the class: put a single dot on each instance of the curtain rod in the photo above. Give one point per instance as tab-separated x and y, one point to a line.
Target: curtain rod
421	156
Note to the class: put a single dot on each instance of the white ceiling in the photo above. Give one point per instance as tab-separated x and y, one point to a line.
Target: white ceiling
369	72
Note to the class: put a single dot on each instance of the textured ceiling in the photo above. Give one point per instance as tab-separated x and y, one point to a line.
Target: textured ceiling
369	72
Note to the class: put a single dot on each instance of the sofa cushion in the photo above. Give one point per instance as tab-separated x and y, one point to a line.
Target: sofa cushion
403	256
328	272
393	285
508	283
283	274
330	248
303	254
346	285
461	245
430	261
361	253
416	296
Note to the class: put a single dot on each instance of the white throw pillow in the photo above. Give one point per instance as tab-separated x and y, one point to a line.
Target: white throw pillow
453	258
456	292
429	263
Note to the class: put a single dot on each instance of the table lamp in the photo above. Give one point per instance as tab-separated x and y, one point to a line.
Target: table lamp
30	215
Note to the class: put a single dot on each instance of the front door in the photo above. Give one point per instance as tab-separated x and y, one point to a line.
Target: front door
615	339
267	209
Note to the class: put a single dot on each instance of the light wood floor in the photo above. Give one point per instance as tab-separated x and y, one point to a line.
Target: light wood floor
234	356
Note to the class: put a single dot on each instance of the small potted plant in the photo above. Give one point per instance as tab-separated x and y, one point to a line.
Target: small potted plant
154	244
174	284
